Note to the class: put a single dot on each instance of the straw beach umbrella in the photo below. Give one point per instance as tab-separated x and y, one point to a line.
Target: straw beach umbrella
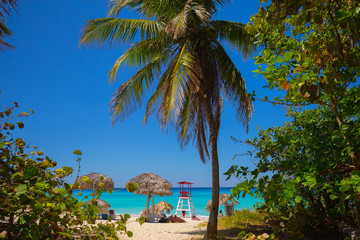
96	179
161	206
103	206
150	184
224	198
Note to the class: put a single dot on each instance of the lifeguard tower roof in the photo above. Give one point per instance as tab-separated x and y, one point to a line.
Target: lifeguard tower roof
184	182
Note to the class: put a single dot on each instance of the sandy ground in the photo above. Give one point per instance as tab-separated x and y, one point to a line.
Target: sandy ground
165	231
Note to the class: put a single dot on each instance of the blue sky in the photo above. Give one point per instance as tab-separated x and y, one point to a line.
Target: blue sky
67	87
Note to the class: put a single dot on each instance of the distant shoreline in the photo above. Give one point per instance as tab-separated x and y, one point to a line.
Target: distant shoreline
122	201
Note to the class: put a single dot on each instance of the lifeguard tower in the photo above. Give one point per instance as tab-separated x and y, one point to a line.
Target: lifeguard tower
185	203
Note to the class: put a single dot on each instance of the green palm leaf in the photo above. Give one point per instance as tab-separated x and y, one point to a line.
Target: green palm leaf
129	96
234	33
178	24
4	32
233	84
147	8
170	90
6	6
192	124
117	5
141	53
213	5
111	30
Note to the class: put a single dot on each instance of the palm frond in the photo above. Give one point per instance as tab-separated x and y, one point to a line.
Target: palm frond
201	129
233	84
4	32
138	55
192	124
173	90
100	31
234	33
212	6
201	12
222	2
177	25
148	8
192	120
160	9
116	6
185	123
169	90
6	6
129	96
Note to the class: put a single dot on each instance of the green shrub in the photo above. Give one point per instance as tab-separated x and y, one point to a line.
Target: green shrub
36	202
302	175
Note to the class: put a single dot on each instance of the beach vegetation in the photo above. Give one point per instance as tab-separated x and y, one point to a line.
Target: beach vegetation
300	176
36	201
178	52
307	171
243	224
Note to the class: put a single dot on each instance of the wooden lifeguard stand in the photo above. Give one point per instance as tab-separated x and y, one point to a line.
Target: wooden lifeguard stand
185	203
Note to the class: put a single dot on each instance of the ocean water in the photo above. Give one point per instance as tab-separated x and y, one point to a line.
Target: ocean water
123	201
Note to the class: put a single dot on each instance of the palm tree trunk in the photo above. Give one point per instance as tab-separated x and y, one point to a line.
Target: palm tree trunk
211	231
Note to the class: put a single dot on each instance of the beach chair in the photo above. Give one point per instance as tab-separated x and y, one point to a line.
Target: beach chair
112	214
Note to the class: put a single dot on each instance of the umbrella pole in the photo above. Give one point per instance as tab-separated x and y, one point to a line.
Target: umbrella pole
153	208
148	211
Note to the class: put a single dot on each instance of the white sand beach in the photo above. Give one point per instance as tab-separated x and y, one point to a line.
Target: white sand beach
166	231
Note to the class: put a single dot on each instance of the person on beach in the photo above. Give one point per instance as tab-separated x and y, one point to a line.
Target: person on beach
195	218
162	217
220	215
112	214
162	214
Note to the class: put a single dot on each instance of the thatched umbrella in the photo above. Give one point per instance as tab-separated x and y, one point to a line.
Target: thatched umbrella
102	205
96	179
151	184
223	199
161	206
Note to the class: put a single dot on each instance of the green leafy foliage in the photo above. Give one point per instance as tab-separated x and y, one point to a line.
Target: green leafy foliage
36	202
77	152
311	52
302	176
131	187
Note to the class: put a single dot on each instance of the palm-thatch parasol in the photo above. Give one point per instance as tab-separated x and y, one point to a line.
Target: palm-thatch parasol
102	205
161	206
223	199
96	179
151	184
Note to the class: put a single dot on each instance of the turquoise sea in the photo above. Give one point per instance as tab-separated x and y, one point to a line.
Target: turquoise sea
125	202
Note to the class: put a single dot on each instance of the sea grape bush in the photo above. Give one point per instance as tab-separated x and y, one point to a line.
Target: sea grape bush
311	53
36	202
310	187
311	50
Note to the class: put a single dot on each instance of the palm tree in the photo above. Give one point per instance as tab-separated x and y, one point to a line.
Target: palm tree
5	8
179	55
